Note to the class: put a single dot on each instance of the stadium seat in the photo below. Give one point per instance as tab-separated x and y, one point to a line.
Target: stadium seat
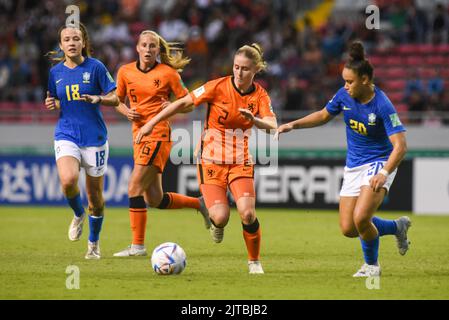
394	85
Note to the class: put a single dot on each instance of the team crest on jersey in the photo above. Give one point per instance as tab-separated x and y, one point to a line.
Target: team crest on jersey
371	119
251	107
86	77
157	83
210	172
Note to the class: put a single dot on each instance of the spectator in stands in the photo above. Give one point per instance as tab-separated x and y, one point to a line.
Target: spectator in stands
440	24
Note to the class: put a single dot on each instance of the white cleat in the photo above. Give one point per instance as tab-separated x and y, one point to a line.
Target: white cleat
93	250
205	213
132	251
255	267
216	233
403	223
76	227
368	270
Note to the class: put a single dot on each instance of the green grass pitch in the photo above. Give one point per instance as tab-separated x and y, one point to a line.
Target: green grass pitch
303	254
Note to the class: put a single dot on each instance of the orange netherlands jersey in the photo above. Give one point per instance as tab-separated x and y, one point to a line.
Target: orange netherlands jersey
146	91
226	131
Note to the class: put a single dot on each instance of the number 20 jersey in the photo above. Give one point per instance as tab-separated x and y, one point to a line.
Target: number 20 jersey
80	122
368	126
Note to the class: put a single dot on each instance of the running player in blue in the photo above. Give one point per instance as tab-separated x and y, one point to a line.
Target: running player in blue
77	86
376	146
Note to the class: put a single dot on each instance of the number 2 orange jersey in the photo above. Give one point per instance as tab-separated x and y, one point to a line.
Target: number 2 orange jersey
225	139
146	91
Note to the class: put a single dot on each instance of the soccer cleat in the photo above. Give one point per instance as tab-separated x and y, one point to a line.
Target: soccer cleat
255	267
76	227
205	213
132	251
403	223
368	270
93	250
216	233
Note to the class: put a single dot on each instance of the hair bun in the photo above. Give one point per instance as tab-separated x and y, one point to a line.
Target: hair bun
356	51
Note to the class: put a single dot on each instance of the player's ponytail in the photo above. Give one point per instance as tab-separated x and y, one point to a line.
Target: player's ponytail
255	53
58	56
357	61
170	52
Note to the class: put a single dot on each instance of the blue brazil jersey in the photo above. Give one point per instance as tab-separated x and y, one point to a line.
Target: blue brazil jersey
79	121
368	126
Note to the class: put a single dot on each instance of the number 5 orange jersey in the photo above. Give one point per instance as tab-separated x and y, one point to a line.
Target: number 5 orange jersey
147	91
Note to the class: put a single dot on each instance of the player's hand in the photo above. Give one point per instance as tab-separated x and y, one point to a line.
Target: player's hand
133	115
377	182
90	98
282	129
247	114
50	102
144	131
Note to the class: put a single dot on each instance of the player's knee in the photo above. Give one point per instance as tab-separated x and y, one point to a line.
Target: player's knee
348	230
96	209
219	219
68	183
248	216
361	222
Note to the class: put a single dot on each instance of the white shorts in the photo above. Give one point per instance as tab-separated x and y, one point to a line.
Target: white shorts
355	178
93	159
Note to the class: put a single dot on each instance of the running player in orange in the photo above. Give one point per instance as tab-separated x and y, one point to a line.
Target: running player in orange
147	84
235	104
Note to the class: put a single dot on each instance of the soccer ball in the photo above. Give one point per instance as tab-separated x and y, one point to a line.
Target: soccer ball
168	258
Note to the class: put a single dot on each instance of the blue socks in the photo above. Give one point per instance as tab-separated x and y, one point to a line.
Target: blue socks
76	205
95	224
385	227
370	250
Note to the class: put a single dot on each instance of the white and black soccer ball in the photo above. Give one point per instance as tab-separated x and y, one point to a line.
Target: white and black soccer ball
168	258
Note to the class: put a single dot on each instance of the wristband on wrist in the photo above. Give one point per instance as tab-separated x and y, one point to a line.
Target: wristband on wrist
384	172
99	101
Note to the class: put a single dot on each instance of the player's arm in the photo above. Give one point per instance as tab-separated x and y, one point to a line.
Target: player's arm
399	150
314	119
265	123
130	113
109	99
172	109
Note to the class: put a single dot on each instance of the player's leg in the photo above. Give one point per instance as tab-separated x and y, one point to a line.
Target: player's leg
95	161
141	178
346	209
217	204
68	158
366	206
156	198
243	192
94	189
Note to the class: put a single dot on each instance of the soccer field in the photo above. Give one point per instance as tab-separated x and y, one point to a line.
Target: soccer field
303	254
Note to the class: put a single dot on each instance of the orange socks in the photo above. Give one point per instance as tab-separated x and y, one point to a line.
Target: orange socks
138	219
172	200
252	236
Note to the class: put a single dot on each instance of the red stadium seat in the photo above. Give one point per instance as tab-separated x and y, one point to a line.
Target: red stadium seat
437	60
395	73
395	97
406	49
393	60
426	49
394	85
414	60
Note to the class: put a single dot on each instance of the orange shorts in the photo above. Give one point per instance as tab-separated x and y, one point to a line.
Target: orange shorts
214	181
154	153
